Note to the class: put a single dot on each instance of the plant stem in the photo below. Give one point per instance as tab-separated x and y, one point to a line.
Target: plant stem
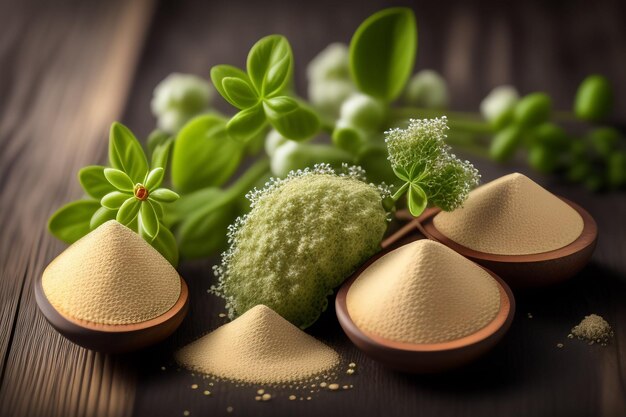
250	177
401	191
460	121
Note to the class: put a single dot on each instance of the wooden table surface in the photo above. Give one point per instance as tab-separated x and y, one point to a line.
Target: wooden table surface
70	68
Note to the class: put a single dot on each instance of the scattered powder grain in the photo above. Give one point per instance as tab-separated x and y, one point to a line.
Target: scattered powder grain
111	276
266	397
423	292
206	392
512	215
230	409
350	371
593	328
194	386
292	397
259	347
333	387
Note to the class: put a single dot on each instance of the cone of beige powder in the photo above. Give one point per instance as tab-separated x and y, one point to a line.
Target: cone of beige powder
111	291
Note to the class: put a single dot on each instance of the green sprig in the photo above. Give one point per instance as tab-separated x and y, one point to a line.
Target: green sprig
261	94
420	158
128	192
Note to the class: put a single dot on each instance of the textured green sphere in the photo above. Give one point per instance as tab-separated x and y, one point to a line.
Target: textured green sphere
301	240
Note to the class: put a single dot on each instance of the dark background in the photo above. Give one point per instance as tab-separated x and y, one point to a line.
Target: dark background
70	68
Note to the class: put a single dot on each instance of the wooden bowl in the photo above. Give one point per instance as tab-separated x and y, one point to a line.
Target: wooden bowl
111	338
528	271
427	358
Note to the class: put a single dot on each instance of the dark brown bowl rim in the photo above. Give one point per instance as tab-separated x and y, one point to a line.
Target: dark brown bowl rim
587	237
57	317
502	319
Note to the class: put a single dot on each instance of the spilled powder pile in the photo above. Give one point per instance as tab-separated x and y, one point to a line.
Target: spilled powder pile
593	328
111	276
258	347
423	292
512	215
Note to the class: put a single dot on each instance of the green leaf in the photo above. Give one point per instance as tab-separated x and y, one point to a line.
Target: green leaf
247	123
382	52
101	216
298	124
164	242
94	182
203	232
128	211
71	222
154	179
402	174
188	203
280	105
119	179
115	199
126	153
156	138
148	219
163	195
417	200
270	64
220	72
161	154
204	155
158	208
240	92
594	99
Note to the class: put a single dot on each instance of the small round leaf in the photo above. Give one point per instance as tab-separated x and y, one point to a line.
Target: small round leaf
101	216
94	182
119	179
71	222
128	211
247	123
417	200
163	195
148	219
115	199
154	179
240	92
270	64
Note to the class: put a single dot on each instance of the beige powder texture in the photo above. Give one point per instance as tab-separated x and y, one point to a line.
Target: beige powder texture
258	347
423	292
111	276
512	215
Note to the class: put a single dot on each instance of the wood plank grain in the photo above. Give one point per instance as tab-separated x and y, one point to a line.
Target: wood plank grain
65	76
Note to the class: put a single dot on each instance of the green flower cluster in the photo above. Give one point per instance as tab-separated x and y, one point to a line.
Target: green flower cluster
420	157
304	235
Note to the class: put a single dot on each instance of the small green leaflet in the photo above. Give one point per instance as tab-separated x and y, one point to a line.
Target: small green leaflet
126	153
72	221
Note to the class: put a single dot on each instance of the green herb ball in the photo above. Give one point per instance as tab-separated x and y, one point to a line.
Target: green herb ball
303	237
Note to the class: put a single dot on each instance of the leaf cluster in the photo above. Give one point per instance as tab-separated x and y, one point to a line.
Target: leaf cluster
430	173
127	191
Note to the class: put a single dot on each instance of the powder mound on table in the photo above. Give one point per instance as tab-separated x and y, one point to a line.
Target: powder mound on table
258	347
594	329
111	276
423	292
512	215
